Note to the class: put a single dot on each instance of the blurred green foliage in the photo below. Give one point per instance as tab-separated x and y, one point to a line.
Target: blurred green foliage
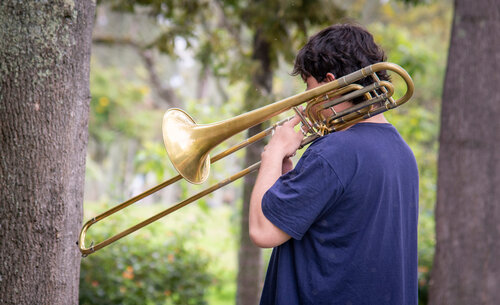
222	33
151	158
426	244
118	108
188	257
152	267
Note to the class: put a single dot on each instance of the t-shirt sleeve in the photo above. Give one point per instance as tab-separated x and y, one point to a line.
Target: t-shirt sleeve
299	197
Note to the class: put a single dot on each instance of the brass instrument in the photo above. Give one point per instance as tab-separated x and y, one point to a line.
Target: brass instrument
188	144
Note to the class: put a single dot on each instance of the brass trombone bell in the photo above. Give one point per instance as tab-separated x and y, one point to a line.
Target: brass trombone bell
189	144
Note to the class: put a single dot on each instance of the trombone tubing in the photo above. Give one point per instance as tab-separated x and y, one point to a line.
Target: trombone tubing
86	251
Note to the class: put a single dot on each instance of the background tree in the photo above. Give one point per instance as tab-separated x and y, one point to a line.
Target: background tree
466	266
44	103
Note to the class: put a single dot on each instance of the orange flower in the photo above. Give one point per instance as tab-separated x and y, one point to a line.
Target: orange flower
128	273
423	269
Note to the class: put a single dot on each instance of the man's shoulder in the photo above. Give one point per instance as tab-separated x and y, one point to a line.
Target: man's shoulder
336	143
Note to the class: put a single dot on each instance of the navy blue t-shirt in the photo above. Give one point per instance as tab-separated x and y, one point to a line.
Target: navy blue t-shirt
351	208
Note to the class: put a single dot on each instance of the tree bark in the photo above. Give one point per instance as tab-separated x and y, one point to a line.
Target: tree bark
249	256
44	106
466	267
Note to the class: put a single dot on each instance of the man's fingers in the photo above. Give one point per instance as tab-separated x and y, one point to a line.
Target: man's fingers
294	121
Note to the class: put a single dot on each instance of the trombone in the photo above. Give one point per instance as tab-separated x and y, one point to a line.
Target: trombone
188	144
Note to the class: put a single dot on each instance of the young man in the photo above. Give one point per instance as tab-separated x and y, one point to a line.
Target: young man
343	222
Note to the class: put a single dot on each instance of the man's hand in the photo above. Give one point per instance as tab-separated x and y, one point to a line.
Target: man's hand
284	142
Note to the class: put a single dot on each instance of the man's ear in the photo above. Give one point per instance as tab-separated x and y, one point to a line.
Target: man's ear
329	77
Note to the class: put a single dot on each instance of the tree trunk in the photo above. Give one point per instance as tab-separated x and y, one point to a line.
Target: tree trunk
466	267
249	256
44	106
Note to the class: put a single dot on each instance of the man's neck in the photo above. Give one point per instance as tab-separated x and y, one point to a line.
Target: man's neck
379	118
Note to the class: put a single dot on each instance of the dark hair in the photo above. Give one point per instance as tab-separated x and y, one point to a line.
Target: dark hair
339	49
